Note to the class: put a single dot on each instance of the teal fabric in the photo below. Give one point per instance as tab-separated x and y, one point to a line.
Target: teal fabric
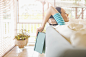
40	43
59	19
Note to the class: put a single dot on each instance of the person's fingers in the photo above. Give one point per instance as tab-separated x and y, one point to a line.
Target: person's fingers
38	30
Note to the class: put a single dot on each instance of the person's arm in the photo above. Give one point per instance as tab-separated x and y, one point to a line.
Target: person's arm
51	11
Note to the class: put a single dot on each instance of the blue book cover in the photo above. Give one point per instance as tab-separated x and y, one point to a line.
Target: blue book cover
40	43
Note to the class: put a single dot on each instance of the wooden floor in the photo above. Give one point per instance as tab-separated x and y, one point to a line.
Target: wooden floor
27	51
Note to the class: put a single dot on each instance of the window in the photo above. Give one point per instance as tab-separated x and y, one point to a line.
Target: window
7	16
30	11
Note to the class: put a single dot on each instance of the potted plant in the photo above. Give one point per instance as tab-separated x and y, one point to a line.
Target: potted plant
21	39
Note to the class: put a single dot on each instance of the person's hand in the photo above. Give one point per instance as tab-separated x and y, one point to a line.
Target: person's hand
40	29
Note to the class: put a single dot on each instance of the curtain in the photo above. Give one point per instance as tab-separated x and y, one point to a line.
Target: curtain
7	25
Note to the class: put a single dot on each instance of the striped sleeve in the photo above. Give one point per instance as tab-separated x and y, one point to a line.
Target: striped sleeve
59	19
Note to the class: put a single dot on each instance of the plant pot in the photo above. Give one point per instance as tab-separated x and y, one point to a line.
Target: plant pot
20	43
26	41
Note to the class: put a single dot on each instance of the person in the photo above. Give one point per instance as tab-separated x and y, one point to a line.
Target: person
51	20
59	18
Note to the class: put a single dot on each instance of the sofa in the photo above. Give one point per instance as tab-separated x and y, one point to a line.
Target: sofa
58	46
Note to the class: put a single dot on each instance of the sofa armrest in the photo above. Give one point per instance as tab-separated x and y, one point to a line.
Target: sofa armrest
55	43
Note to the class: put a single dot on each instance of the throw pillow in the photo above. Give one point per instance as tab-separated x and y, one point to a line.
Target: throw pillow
64	31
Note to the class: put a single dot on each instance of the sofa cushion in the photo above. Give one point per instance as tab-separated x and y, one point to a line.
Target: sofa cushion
78	39
74	32
65	31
